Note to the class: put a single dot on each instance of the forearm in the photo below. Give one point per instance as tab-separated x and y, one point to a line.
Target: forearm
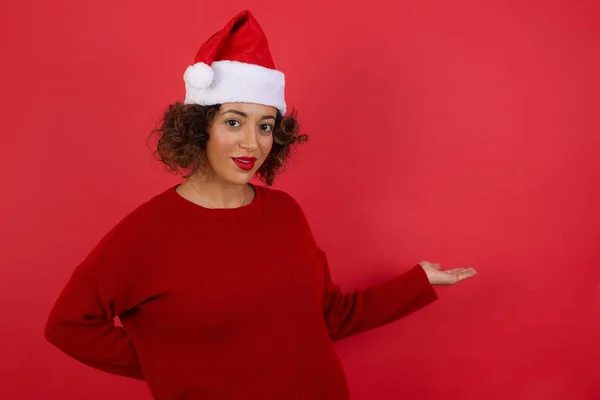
106	348
82	325
351	313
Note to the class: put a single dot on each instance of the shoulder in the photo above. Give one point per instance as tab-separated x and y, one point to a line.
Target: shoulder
133	230
278	198
121	252
285	206
138	217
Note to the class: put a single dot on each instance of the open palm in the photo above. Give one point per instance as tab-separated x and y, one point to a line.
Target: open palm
447	277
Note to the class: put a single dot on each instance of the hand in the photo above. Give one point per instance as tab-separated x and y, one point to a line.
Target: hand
448	277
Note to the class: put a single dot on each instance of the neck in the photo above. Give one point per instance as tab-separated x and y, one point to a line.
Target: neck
216	193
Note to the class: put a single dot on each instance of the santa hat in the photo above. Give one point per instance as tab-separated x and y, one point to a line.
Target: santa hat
235	65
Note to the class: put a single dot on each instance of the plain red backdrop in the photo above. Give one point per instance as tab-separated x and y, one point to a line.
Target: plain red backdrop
461	132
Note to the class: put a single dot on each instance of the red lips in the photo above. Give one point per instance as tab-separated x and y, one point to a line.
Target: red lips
244	163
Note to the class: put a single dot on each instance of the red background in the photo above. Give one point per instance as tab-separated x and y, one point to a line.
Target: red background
465	134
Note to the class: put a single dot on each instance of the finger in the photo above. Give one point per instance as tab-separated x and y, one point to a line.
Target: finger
460	270
464	274
432	265
453	270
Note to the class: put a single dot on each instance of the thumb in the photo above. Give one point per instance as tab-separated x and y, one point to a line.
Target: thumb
430	264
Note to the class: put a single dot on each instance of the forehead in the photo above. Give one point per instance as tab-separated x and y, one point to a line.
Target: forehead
249	108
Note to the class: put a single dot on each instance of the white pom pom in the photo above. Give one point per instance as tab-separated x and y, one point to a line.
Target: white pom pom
199	75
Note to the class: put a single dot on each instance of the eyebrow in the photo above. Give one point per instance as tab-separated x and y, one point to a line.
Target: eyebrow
243	114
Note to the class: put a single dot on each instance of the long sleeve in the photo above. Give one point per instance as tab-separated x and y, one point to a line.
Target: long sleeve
361	310
81	324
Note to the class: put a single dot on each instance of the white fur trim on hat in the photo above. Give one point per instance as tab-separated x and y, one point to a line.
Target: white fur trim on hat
234	81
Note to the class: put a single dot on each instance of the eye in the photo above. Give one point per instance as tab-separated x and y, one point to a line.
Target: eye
266	127
232	123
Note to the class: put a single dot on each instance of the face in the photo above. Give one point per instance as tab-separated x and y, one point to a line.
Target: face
240	139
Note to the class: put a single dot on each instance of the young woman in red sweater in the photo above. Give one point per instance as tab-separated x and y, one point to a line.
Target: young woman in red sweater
220	287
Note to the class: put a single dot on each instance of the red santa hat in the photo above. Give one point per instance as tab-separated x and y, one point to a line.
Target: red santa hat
235	65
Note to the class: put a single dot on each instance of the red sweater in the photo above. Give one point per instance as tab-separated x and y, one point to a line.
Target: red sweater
220	303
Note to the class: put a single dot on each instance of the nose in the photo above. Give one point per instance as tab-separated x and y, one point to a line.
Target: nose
248	140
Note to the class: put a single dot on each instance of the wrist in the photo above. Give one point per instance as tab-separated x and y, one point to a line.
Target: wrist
427	273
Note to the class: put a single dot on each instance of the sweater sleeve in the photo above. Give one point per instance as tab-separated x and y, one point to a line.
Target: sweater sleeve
82	320
347	314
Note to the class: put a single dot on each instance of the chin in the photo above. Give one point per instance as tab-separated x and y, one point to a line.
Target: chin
239	178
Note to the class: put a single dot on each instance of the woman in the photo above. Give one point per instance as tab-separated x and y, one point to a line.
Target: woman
219	285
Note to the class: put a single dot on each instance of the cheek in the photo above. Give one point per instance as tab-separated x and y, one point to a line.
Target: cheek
266	143
219	144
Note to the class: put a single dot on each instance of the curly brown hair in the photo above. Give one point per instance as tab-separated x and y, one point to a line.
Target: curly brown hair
183	134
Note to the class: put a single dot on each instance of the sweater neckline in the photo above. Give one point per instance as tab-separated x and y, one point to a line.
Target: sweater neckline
248	210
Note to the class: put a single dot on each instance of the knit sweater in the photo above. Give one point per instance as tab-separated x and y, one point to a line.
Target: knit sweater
220	303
